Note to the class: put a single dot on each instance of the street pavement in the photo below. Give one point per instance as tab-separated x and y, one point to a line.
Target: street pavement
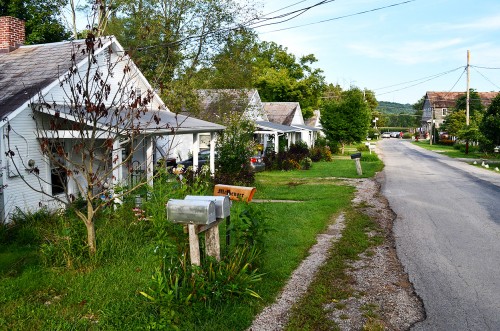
447	234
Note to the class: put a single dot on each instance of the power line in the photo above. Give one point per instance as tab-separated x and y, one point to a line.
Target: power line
297	12
479	72
278	10
492	68
465	70
341	17
425	81
419	79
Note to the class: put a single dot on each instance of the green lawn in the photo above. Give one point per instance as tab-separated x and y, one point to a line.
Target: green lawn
453	152
105	296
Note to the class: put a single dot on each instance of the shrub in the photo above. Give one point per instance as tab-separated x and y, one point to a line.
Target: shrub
298	151
373	133
289	164
321	153
447	142
472	148
369	157
362	148
407	135
316	154
327	154
306	163
249	224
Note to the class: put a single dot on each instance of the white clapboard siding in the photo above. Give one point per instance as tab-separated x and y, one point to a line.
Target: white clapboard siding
22	137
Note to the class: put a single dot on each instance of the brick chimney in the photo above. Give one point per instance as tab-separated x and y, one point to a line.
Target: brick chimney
11	33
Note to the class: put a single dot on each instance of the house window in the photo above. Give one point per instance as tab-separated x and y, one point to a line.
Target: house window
58	175
445	111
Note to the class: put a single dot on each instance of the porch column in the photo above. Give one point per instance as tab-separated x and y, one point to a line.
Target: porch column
212	153
264	142
116	163
196	150
276	142
149	160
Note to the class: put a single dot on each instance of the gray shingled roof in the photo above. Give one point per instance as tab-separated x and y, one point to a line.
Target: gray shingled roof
215	102
25	71
280	112
305	127
270	126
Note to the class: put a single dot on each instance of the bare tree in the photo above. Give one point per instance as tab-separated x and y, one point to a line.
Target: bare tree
89	136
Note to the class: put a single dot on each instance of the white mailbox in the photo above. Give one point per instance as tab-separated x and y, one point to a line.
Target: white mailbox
191	211
222	203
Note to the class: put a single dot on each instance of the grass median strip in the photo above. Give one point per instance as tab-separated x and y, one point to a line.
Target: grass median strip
332	283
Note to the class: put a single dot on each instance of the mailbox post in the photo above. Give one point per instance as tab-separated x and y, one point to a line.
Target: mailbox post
357	158
222	211
198	215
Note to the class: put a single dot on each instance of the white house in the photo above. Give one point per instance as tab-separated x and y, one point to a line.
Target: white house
290	114
273	120
41	101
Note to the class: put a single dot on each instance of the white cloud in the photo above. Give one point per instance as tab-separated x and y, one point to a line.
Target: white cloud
408	52
483	24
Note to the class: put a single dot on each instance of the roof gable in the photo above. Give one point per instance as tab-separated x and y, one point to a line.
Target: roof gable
285	113
214	103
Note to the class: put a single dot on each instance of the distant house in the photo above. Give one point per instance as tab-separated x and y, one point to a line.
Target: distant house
290	114
31	75
315	121
437	105
217	103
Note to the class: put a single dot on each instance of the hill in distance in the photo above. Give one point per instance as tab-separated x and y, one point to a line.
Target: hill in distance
387	107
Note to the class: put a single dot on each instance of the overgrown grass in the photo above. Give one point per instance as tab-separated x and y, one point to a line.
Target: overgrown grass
105	294
332	283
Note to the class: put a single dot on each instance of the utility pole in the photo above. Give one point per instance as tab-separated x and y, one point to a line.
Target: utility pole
468	94
467	101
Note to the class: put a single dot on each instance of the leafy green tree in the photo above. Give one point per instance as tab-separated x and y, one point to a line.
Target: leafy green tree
419	105
279	76
490	124
235	146
454	122
371	100
476	107
347	119
233	66
170	40
42	19
417	117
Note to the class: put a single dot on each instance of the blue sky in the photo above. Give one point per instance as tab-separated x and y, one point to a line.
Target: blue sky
404	43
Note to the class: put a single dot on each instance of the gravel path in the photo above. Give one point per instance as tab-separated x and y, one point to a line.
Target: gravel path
378	280
275	317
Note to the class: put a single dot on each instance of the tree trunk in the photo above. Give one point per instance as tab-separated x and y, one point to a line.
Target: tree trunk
342	148
89	223
91	237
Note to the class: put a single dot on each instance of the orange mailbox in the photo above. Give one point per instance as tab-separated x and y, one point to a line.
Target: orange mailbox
235	192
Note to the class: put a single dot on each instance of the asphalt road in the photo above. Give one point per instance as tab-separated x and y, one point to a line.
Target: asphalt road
447	234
